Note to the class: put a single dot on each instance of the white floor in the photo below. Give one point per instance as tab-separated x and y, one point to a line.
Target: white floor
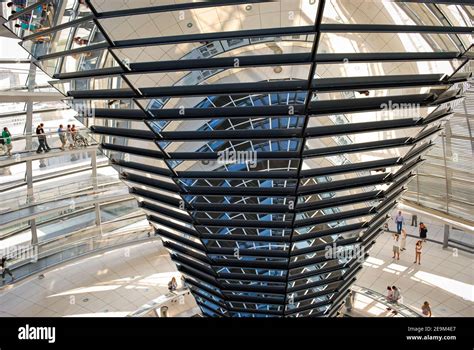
445	278
119	282
114	283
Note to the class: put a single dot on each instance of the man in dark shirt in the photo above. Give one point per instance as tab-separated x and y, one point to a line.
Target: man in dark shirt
43	145
5	270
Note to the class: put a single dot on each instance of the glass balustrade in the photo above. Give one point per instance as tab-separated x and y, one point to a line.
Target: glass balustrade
25	144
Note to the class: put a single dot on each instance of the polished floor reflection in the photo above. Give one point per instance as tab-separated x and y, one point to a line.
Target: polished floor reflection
112	284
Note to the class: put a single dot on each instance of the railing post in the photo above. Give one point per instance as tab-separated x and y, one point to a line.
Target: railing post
446	236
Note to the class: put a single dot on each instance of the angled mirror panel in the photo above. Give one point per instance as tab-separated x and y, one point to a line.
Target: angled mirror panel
263	15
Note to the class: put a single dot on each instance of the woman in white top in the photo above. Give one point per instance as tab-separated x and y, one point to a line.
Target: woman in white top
403	240
396	248
418	247
69	136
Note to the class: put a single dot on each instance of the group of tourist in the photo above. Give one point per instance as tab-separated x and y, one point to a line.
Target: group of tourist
66	136
400	237
69	135
393	296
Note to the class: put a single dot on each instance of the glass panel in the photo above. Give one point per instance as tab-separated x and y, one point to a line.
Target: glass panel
248	216
371	116
219	76
91	104
372	69
119	209
80	35
263	123
233	166
46	16
357	157
256	307
317	278
79	62
209	102
369	93
245	245
330	225
329	211
390	42
129	142
87	84
385	12
117	5
272	45
354	139
248	149
314	268
213	19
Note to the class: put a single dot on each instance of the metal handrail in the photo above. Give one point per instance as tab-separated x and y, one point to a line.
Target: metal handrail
161	301
50	133
380	298
56	194
92	244
59	193
25	146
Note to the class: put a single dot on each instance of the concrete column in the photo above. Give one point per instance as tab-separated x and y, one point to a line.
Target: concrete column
29	146
95	182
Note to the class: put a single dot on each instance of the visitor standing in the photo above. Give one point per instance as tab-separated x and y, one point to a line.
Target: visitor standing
7	140
74	133
62	137
418	248
41	140
69	137
399	221
394	299
5	270
396	247
403	240
45	137
423	231
172	285
414	220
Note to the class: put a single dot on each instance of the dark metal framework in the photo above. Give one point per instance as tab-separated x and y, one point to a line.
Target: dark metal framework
252	239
